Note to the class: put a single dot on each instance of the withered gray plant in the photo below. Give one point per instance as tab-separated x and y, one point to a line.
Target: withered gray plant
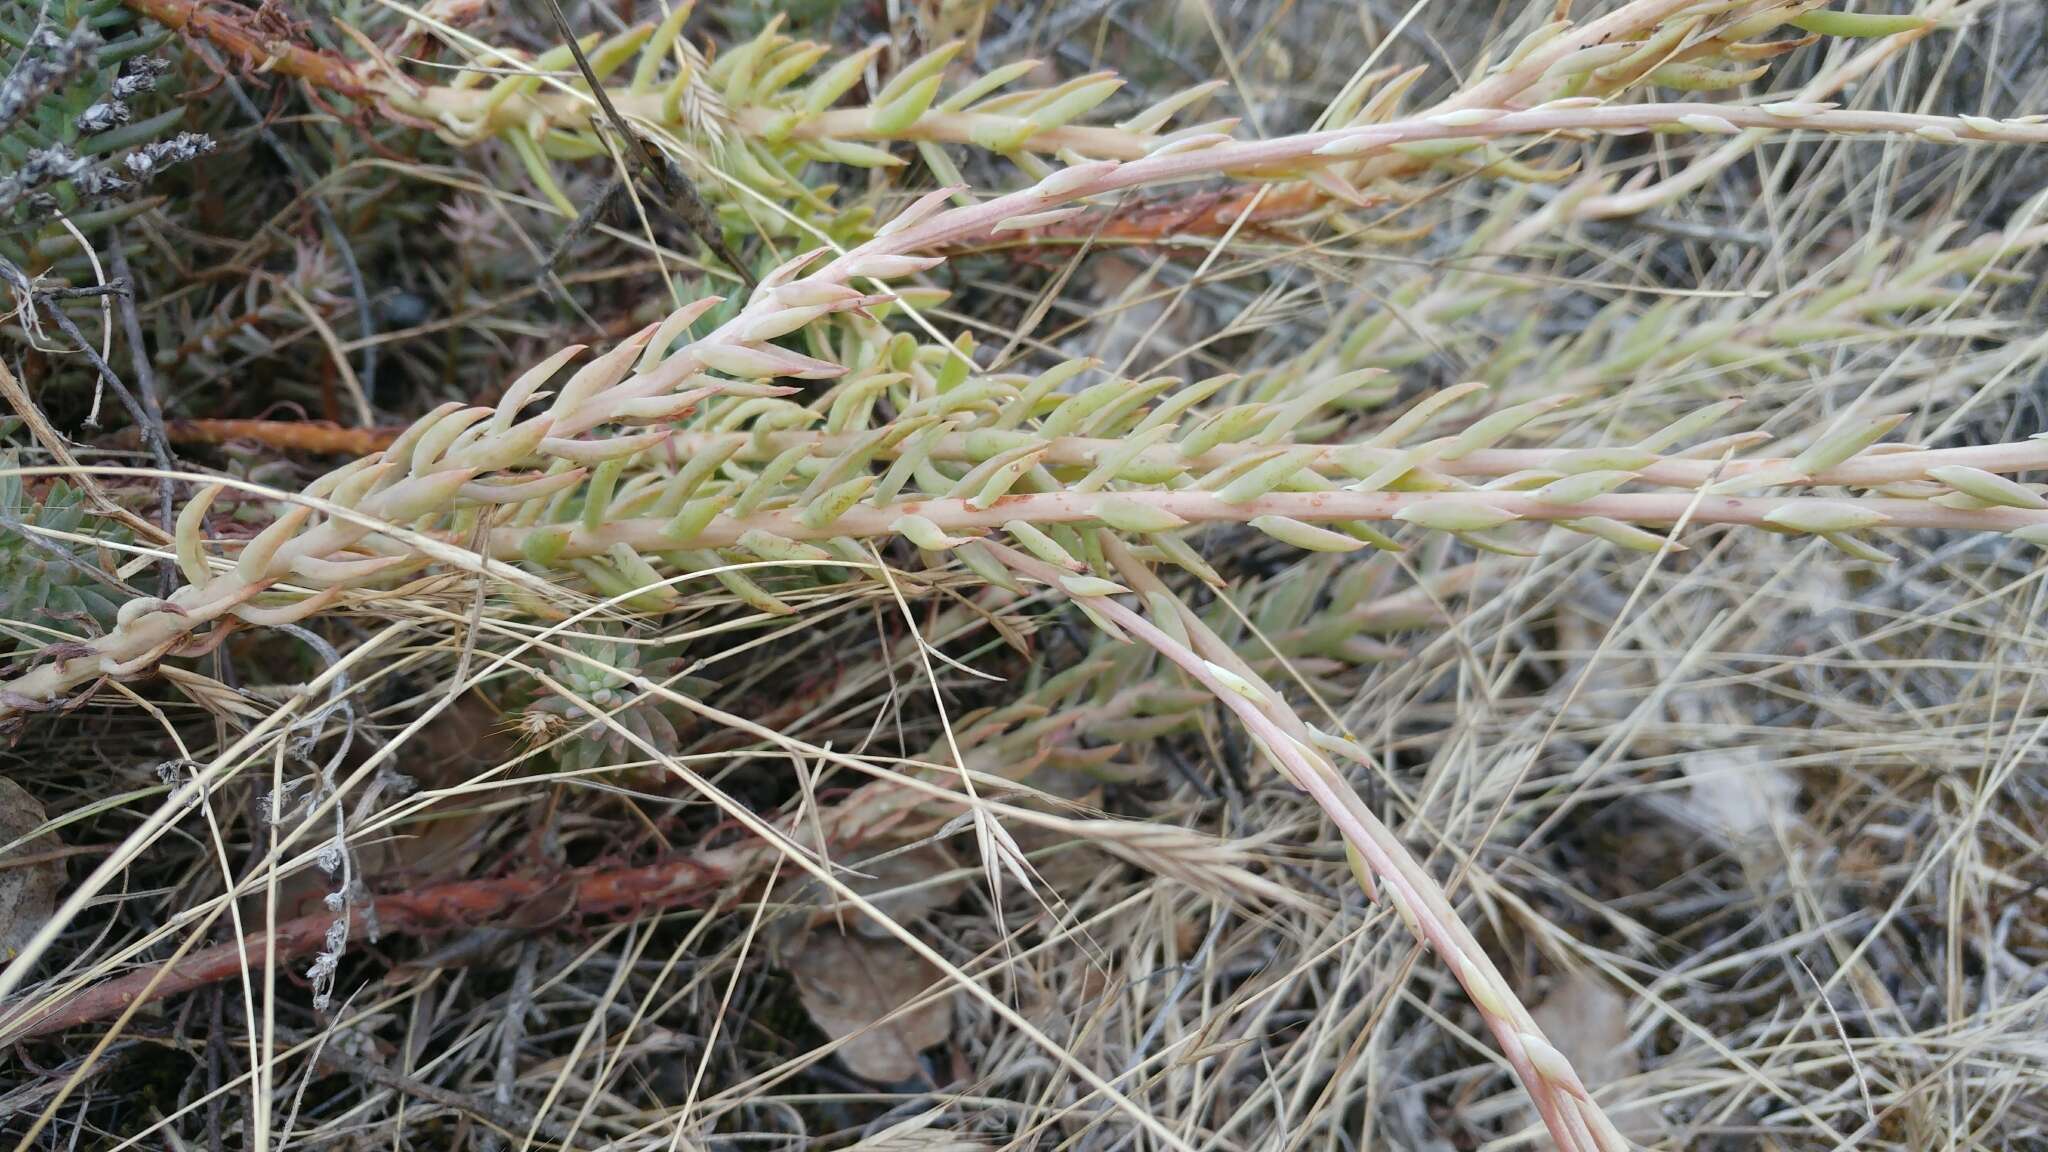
78	137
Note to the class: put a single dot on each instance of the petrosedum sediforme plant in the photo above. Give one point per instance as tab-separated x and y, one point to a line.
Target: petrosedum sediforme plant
671	454
1026	453
764	109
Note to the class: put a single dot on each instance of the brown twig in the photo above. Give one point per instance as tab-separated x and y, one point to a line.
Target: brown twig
239	31
315	437
151	432
438	908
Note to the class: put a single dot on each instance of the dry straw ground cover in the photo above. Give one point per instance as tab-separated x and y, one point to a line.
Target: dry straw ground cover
972	575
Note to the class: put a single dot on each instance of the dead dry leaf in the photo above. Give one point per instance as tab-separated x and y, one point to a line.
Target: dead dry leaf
446	839
1737	795
851	985
28	891
906	885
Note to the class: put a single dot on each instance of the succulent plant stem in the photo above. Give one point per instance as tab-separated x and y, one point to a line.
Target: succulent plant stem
960	516
1576	1123
422	481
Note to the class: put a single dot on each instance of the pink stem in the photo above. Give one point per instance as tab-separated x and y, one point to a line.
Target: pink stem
1435	920
649	534
1868	470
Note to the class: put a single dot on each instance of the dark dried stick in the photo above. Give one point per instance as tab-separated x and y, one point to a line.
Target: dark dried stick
216	1046
550	267
150	428
118	286
506	1117
47	63
152	400
441	907
581	226
512	1032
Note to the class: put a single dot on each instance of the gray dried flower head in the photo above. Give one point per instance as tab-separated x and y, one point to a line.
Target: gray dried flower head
152	158
139	76
111	111
62	103
104	114
324	966
49	62
43	166
96	181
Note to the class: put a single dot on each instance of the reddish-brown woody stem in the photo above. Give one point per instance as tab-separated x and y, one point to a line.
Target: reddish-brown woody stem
438	908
